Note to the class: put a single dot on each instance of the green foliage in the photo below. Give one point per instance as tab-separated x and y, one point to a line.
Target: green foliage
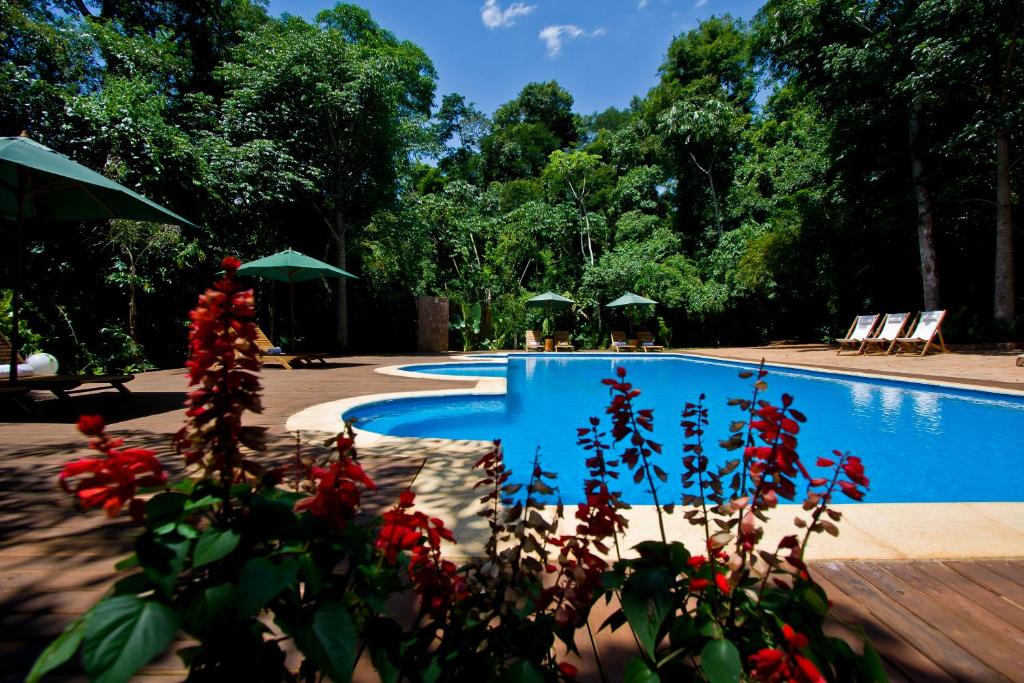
758	218
468	324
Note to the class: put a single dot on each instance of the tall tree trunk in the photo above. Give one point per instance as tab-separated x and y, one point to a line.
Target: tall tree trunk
1005	310
341	300
925	219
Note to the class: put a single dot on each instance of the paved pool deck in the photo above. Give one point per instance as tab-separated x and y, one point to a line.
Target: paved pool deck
890	531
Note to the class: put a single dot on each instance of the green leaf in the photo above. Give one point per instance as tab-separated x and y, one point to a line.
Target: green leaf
127	563
261	580
637	671
213	610
122	634
332	641
162	558
646	602
164	508
432	673
204	502
522	672
720	662
59	651
816	599
213	544
871	660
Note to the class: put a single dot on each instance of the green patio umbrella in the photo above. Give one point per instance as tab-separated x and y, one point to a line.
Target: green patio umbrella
630	299
40	185
291	267
548	300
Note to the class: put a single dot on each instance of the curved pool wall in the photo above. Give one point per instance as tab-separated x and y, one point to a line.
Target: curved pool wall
919	442
460	370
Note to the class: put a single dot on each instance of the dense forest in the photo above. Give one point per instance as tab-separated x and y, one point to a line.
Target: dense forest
827	158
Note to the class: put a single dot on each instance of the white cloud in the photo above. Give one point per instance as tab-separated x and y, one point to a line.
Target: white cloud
495	17
554	36
700	3
641	4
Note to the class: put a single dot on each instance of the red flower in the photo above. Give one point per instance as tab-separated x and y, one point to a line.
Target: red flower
91	425
337	495
112	481
769	665
785	666
222	364
723	583
808	672
567	669
230	264
697	561
794	640
699	584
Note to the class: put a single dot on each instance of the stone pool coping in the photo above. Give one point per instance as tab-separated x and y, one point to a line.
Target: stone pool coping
868	531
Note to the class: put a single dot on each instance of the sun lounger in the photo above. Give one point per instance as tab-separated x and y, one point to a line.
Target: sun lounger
620	343
928	327
266	348
61	385
562	342
885	336
534	341
859	331
646	342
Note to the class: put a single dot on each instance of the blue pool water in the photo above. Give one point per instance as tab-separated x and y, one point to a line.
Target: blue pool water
919	444
459	369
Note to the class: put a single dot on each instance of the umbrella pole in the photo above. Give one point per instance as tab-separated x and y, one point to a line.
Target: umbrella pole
16	294
291	300
272	311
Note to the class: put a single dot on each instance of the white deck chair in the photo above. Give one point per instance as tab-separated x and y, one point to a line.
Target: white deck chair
533	341
928	327
885	337
859	331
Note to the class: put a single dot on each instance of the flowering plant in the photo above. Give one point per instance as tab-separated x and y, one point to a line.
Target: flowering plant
735	608
245	567
250	569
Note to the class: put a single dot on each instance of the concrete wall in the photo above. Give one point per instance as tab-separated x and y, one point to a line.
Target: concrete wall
432	323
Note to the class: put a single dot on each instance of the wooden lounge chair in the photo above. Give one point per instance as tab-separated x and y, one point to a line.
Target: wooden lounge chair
928	327
859	331
646	341
562	342
61	385
620	343
885	336
534	341
264	344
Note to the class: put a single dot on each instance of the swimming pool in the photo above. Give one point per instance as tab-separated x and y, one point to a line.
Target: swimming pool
919	443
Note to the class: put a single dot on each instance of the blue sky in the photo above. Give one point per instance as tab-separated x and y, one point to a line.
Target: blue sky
603	51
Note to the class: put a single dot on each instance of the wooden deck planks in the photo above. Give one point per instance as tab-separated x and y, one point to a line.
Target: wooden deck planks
899	655
895	617
993	644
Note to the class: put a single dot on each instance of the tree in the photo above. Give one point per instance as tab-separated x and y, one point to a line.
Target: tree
979	61
577	172
346	100
526	130
458	120
700	108
855	59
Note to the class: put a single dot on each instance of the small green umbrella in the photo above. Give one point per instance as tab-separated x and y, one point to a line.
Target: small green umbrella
44	186
630	299
291	267
549	300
